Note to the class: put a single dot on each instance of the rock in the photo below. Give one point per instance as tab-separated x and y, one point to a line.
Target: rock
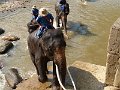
13	78
1	65
6	87
10	38
33	84
1	31
5	46
2	80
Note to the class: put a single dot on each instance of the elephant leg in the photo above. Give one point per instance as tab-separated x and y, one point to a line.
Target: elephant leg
42	77
57	20
45	65
33	60
64	23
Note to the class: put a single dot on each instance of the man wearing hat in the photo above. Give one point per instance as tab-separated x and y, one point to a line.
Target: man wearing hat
45	20
35	12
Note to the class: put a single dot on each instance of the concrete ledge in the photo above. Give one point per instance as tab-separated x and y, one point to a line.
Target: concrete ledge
86	76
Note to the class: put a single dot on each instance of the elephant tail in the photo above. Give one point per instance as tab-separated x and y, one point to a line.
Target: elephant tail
58	76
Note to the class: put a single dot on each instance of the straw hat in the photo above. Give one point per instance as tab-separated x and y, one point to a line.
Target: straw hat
33	6
43	12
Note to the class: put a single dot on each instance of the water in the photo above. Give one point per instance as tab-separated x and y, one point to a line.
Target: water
2	80
97	17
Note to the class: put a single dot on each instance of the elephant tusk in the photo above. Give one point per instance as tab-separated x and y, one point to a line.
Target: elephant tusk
58	76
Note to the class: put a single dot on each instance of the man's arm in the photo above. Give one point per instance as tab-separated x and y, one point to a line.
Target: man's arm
51	19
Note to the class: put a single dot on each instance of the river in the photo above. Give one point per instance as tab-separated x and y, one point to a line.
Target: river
97	17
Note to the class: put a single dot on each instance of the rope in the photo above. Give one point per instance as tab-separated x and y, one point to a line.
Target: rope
58	76
71	79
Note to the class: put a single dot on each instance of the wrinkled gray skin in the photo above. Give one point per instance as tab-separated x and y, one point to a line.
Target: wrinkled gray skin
50	47
62	15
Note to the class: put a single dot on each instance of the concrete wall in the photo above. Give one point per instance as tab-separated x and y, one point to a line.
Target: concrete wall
113	54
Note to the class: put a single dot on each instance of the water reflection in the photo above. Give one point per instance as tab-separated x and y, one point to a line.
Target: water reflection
80	28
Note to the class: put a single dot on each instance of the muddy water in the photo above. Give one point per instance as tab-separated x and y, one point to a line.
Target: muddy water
90	46
98	16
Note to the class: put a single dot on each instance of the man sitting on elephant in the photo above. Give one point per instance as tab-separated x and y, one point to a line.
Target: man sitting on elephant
45	21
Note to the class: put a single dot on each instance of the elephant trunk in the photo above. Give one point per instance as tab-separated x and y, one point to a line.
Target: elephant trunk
60	61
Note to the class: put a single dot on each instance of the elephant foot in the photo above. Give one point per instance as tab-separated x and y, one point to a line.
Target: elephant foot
42	79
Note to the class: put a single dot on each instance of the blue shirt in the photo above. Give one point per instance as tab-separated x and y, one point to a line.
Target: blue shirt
35	11
62	7
45	20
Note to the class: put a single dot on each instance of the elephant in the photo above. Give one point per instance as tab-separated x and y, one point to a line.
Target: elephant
62	15
50	47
